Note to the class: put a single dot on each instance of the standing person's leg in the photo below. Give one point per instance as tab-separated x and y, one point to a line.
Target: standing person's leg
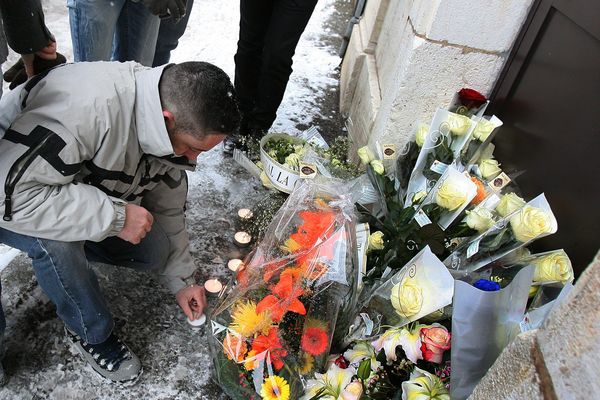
254	21
93	25
168	36
288	21
136	33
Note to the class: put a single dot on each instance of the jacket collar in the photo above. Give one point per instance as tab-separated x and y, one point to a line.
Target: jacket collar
151	129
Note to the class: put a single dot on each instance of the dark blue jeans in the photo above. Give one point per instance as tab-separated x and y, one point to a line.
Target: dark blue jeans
168	36
269	33
63	271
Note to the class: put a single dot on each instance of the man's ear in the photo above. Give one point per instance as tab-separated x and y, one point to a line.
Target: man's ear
169	119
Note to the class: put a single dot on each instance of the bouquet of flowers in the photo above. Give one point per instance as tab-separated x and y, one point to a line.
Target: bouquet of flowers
278	323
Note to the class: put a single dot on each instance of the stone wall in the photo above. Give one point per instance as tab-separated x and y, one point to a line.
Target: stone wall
558	360
408	57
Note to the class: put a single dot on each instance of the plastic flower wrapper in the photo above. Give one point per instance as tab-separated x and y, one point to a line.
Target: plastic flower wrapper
452	193
483	323
448	134
533	221
484	132
278	323
421	287
545	299
407	158
468	102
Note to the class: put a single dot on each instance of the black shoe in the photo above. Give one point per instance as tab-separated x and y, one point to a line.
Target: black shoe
112	359
230	144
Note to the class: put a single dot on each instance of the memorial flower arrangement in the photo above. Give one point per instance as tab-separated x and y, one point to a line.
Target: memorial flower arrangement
278	323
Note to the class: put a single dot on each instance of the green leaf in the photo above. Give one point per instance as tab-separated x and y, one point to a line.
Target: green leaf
364	369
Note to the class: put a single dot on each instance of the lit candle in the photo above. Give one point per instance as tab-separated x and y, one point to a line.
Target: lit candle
197	322
234	264
242	239
245	214
213	285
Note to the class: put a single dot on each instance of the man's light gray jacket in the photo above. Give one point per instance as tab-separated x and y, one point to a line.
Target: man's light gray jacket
81	142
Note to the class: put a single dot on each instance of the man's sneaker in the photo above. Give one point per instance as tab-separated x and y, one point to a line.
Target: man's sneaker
112	358
230	143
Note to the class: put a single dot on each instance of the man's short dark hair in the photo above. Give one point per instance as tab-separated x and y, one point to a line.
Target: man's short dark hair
201	97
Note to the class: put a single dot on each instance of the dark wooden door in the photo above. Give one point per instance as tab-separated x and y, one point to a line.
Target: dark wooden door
549	99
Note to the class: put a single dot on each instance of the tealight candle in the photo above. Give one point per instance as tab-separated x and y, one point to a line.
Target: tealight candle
242	239
213	285
234	264
197	322
245	213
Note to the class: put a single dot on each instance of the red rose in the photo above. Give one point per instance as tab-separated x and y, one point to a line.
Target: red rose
342	362
434	341
471	98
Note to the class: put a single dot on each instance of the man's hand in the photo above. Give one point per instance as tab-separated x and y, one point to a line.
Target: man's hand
138	222
48	53
192	301
174	8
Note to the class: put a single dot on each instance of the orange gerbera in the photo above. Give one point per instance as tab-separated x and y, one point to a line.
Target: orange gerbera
235	348
272	344
481	193
315	224
284	298
314	341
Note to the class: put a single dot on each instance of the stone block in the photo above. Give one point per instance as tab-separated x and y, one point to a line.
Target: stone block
426	78
351	65
513	376
491	26
570	338
371	22
365	104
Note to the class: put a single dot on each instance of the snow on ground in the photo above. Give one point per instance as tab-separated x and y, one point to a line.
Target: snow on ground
175	358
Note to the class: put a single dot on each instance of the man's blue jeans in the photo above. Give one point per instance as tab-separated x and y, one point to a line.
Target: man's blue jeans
64	273
117	30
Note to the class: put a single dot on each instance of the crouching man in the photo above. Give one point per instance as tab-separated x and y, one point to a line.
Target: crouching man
93	164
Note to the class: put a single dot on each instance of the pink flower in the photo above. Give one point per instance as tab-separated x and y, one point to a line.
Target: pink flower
435	339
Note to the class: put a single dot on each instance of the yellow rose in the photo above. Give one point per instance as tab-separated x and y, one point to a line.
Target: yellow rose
459	124
260	165
366	155
453	193
530	223
489	168
480	219
483	129
375	241
533	289
407	298
378	167
553	267
421	134
509	203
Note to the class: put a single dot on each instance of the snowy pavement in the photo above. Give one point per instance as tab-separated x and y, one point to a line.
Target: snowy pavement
175	357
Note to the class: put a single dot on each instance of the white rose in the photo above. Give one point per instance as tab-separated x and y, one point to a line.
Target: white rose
407	298
480	219
483	129
453	193
531	223
458	124
292	160
509	203
366	155
553	267
421	134
378	166
489	168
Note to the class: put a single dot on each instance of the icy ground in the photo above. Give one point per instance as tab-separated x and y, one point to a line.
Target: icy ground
175	357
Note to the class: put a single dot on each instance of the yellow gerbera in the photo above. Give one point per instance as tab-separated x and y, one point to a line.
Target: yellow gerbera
247	322
250	363
275	388
290	246
307	364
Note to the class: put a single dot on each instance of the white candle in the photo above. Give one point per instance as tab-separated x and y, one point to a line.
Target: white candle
197	322
242	238
234	264
213	285
245	213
